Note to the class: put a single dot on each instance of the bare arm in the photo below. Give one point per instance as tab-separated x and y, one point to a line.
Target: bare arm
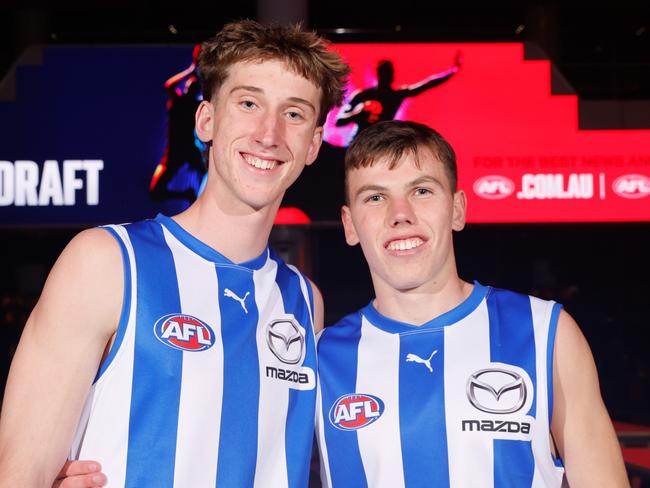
581	426
57	359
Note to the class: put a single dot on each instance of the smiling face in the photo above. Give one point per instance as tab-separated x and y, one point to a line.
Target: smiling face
403	218
261	124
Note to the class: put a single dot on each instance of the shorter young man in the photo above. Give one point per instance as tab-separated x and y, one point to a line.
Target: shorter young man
440	382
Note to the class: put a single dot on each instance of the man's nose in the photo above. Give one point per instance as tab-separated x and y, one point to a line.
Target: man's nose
401	212
269	131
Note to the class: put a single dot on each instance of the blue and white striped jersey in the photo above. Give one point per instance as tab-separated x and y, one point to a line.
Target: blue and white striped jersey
211	380
464	400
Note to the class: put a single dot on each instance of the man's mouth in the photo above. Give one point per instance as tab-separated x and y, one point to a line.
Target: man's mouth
404	244
260	163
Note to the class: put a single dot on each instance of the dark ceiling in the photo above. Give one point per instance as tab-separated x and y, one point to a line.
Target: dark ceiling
603	50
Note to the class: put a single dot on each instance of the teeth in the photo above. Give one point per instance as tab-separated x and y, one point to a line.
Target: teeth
260	163
405	244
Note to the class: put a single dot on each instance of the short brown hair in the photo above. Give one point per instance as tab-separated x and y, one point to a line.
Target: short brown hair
392	139
305	53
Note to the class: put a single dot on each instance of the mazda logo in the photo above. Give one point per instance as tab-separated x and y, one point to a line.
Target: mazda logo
496	390
285	340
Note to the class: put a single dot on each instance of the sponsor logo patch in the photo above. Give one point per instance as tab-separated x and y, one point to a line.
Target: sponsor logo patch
504	390
184	332
286	340
496	390
355	411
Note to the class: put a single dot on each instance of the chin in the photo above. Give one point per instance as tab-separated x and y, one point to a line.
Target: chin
405	283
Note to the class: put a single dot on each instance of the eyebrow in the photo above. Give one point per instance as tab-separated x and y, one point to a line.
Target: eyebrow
410	184
426	179
367	188
246	88
256	89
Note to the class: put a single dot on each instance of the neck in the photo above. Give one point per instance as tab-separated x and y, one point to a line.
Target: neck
238	234
420	305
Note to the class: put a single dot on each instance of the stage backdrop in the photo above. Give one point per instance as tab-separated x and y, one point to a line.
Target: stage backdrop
87	127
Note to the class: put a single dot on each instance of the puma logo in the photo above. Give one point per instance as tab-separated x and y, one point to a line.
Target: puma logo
410	357
242	301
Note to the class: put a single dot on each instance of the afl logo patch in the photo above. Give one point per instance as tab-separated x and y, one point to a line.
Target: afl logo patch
355	411
184	332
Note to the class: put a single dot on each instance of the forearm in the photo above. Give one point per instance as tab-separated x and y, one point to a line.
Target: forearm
595	460
40	411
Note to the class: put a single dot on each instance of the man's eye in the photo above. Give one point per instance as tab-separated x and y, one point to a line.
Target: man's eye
423	191
374	198
294	116
249	104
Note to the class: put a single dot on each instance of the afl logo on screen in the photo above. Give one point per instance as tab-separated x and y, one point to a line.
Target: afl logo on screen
184	332
493	187
355	410
632	186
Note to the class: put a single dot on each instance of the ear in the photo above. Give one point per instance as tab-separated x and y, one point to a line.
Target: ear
314	146
204	120
460	209
348	226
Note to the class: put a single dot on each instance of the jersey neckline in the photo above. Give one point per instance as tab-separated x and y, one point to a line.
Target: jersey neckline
205	251
457	313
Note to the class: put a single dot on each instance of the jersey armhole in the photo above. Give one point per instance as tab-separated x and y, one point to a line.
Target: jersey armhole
310	295
552	330
126	306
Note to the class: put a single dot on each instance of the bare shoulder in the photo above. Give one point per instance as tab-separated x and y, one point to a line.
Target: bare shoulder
86	280
574	370
569	335
319	308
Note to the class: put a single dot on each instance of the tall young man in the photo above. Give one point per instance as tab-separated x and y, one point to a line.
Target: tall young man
184	344
440	382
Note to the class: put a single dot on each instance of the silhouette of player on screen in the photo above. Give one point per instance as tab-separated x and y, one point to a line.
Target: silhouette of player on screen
184	95
381	102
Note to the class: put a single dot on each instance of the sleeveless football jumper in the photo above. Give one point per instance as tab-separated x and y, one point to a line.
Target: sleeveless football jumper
463	401
211	380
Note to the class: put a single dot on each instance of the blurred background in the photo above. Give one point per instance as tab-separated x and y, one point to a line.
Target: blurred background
99	88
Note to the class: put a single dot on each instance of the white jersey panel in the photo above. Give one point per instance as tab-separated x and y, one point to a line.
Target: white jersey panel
378	349
271	469
466	340
198	399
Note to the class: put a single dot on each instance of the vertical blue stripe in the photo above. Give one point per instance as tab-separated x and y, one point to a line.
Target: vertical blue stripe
338	351
512	341
126	306
156	368
514	465
241	382
550	347
299	433
422	418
